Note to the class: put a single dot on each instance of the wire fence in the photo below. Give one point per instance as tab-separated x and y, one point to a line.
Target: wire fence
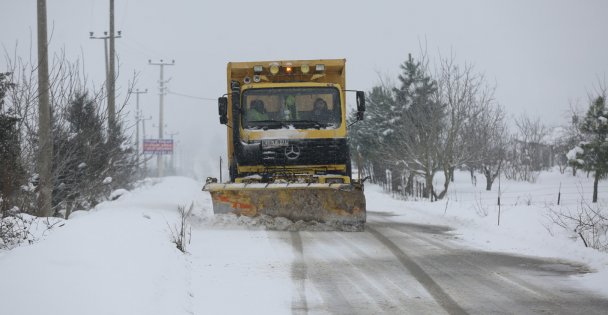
553	189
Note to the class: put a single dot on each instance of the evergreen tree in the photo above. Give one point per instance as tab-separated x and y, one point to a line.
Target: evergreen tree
85	158
368	137
5	85
594	153
402	128
11	171
81	160
419	122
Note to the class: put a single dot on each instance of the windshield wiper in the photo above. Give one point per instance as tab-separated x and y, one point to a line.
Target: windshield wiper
265	124
312	123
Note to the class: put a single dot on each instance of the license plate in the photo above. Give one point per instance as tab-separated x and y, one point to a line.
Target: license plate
274	143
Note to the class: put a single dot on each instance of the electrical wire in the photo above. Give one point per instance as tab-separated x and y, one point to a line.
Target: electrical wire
192	96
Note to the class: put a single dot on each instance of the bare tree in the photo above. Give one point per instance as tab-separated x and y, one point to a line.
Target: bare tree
528	150
466	96
587	221
67	84
489	133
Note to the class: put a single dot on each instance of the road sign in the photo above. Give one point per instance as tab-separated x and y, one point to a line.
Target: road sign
158	146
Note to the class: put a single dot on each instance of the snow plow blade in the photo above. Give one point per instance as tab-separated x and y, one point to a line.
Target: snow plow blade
341	206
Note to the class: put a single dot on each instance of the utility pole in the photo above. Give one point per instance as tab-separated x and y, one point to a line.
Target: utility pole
45	157
160	108
110	66
105	38
112	77
137	119
171	134
143	125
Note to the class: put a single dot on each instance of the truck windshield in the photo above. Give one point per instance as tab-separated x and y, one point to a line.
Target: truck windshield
300	108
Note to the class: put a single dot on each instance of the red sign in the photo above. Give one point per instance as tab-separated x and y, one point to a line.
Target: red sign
158	146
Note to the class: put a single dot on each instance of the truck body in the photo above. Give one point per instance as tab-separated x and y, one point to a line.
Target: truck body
287	147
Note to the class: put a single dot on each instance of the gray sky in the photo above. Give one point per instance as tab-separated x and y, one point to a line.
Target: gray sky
540	54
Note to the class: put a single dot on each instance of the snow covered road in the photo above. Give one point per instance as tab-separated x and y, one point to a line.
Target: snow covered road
393	267
399	268
119	259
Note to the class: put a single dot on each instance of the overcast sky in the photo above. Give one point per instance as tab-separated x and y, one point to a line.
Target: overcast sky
541	54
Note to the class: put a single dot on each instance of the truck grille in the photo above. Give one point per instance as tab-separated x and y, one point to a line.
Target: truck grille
300	152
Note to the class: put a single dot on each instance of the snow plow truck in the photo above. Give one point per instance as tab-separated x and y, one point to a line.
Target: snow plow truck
288	151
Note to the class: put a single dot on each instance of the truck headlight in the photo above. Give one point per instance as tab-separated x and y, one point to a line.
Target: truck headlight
274	69
305	69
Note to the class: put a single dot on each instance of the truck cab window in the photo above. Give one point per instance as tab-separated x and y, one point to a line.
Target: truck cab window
300	108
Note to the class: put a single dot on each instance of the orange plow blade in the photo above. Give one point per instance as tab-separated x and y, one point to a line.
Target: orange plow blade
341	206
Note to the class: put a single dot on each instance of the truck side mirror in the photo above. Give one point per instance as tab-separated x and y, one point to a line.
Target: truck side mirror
222	105
360	104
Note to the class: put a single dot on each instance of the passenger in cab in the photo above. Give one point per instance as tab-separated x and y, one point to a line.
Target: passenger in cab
257	111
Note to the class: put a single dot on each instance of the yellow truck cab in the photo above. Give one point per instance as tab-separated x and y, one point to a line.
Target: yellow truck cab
287	121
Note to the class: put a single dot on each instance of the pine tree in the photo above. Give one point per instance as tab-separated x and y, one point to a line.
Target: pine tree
84	157
87	161
402	128
594	153
419	122
11	171
368	137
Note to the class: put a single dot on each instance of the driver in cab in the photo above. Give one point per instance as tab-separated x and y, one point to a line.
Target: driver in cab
257	111
320	113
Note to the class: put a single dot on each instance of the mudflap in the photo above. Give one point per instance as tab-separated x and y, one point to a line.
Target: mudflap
341	206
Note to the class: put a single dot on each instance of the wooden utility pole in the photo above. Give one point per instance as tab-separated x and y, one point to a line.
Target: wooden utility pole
109	82
143	127
111	77
45	154
138	118
161	135
171	134
110	70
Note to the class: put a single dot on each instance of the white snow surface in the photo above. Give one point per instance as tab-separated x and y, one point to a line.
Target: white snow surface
118	258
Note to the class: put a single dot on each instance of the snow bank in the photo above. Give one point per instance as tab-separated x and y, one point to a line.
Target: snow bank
117	259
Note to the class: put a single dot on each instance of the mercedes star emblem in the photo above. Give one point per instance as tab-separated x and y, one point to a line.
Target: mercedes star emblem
292	152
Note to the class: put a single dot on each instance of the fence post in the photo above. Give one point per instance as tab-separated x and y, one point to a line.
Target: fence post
559	193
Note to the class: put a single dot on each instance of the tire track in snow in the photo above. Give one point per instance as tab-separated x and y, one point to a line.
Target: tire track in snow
298	275
442	298
507	276
189	290
329	277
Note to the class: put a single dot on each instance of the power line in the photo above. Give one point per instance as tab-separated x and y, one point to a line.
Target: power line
192	96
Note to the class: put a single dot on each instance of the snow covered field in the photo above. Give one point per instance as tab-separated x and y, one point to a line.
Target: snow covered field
119	259
525	225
